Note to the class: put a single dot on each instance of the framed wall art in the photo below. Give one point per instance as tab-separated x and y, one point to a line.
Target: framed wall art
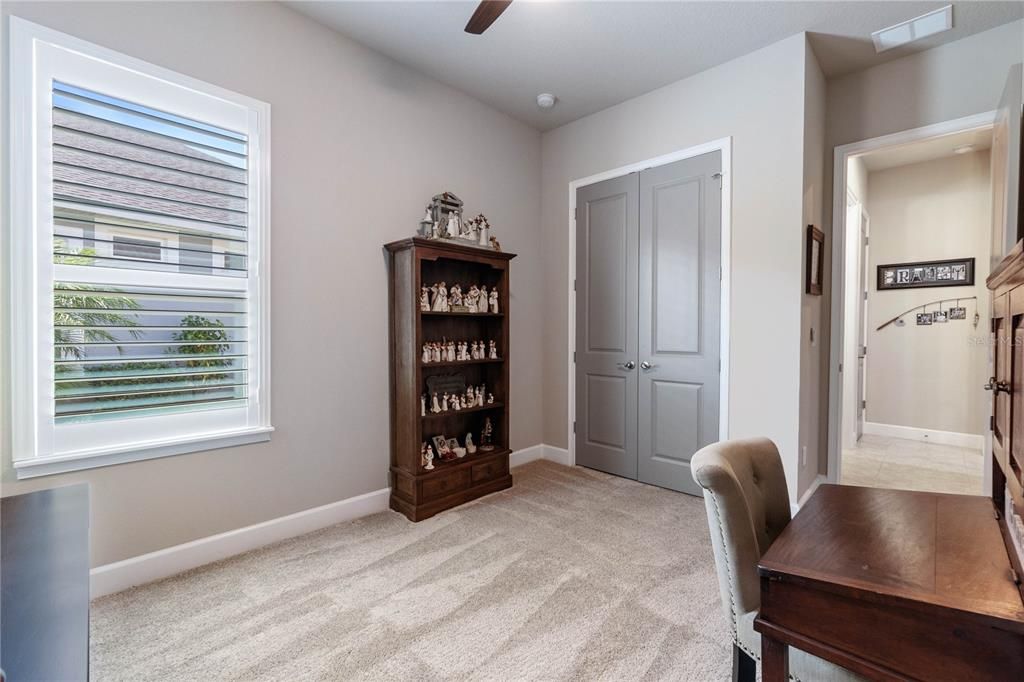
955	272
815	266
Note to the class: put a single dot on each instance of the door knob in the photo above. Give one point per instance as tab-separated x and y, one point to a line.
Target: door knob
627	365
997	386
646	365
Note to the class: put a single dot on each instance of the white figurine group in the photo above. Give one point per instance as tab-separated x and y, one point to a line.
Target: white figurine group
440	299
473	397
476	230
458	351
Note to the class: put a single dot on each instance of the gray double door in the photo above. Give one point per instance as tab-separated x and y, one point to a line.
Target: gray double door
648	292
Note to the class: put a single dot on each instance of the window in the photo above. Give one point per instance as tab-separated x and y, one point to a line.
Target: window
139	224
139	249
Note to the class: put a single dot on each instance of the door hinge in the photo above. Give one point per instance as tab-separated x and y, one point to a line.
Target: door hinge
574	427
574	357
992	422
865	295
840	368
863	404
863	351
574	285
576	213
867	240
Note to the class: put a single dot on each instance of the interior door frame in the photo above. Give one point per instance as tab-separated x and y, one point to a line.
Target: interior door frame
838	275
723	145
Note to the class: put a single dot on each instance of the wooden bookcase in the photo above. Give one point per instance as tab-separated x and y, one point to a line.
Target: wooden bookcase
415	262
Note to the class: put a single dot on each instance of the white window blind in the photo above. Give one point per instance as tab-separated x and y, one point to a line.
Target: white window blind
144	231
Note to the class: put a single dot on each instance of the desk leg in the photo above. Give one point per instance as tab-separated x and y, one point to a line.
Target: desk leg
774	660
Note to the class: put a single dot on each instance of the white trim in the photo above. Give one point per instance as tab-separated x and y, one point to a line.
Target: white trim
136	452
839	186
40	447
723	145
530	454
163	563
960	440
795	507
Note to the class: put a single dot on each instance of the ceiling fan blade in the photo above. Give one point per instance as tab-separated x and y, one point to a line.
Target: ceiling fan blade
486	13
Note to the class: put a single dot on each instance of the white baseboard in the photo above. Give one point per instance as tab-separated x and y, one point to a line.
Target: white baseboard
520	457
818	480
167	562
962	440
558	455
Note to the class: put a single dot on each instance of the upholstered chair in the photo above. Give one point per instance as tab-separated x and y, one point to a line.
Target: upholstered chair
748	506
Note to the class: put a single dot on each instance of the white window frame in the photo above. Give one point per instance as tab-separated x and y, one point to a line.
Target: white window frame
38	56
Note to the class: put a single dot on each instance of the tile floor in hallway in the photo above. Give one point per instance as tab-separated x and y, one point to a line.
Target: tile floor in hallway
884	462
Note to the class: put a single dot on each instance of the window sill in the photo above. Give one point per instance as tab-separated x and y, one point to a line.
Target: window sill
47	466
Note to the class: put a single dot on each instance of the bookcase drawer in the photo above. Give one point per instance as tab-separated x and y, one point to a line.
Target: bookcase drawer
484	471
442	484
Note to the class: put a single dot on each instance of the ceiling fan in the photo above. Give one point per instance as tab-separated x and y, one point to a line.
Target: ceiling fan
486	14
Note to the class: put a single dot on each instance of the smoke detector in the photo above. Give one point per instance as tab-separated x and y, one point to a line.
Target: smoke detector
546	100
910	30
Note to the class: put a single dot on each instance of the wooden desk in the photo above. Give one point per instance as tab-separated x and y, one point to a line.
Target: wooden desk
44	572
893	585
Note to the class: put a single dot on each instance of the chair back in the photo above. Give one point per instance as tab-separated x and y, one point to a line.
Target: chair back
747	502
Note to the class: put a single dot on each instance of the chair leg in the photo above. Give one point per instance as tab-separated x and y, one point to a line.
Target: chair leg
744	667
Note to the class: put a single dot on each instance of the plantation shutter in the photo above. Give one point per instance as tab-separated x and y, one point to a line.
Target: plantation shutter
145	191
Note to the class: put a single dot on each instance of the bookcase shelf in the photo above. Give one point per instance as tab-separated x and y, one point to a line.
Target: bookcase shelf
417	492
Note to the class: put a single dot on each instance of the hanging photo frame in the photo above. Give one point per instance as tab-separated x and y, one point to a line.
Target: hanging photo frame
939	317
924	318
955	272
958	313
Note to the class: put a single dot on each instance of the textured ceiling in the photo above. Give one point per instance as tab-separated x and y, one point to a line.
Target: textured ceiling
593	55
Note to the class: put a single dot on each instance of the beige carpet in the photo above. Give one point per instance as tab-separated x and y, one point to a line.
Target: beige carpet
570	575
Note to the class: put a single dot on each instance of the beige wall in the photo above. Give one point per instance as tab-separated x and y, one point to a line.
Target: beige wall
813	362
929	377
357	152
957	79
760	93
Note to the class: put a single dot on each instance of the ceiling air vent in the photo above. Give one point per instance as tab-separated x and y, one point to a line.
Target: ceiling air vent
910	30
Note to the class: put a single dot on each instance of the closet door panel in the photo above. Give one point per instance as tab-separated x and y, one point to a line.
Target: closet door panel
679	318
606	326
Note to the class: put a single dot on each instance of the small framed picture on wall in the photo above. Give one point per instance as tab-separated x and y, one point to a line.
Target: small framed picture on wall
815	265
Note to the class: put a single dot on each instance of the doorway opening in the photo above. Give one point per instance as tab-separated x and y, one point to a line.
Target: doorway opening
682	379
911	251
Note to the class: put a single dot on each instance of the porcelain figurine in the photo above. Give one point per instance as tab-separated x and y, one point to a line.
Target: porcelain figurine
472	297
463	353
487	436
435	230
430	458
455	404
423	405
428	355
455	295
484	237
479	396
444	403
495	244
435	406
481	303
451	351
424	298
440	304
452	229
459	452
490	398
426	224
470	446
436	351
494	301
492	350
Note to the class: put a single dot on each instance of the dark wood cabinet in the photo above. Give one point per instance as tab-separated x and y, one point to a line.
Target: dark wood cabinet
416	262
